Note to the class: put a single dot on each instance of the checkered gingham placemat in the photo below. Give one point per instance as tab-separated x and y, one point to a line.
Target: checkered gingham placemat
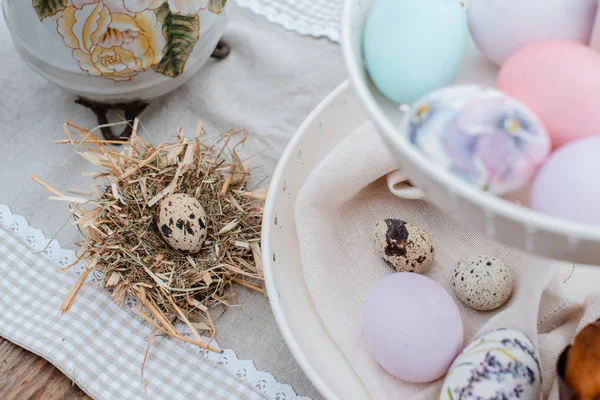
98	344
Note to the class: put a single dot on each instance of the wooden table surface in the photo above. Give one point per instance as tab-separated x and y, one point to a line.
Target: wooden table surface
24	375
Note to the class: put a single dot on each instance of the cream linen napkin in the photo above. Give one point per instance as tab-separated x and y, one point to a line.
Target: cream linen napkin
355	186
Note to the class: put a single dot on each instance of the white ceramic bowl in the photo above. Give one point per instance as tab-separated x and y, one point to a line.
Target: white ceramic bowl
111	53
504	221
316	352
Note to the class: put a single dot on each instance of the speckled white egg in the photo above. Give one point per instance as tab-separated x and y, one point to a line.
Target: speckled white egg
404	246
501	364
182	222
482	282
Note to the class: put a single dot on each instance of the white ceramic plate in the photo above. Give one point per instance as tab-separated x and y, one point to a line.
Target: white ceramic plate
312	346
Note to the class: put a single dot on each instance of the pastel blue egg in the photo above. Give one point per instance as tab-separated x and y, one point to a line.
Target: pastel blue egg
412	47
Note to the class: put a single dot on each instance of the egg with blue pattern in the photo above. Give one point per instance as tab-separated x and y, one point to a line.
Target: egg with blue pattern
480	135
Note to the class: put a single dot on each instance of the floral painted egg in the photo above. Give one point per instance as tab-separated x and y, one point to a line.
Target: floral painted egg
116	50
480	135
502	364
182	222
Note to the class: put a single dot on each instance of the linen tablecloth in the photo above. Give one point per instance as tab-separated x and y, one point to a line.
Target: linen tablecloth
99	346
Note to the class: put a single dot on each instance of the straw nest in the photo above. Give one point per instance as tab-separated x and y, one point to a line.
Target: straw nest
121	240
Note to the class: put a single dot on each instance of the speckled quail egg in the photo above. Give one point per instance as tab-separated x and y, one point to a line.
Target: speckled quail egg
404	246
182	222
482	282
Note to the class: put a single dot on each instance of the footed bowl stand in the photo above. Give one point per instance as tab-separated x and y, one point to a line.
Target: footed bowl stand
133	109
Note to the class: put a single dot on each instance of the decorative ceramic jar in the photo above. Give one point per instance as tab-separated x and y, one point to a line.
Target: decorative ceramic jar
116	51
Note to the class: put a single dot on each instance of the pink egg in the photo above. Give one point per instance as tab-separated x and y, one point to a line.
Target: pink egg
412	327
560	82
567	185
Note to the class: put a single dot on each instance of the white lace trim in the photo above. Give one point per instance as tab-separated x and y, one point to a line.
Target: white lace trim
245	370
318	18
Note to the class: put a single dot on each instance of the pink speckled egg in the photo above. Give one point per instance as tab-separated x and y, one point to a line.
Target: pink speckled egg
560	82
412	327
567	185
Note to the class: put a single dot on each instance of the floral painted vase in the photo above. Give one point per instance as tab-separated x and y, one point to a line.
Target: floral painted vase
116	50
500	365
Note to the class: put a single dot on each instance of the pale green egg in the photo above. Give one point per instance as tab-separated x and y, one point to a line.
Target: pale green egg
413	47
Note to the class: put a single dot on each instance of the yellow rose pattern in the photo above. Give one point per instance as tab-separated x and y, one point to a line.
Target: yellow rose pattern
117	39
115	46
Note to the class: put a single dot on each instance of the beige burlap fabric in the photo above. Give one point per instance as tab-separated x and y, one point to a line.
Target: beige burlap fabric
357	185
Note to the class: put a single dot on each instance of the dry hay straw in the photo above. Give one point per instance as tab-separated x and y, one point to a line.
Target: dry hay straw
121	239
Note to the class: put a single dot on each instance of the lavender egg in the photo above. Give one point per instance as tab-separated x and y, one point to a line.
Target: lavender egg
567	185
412	327
480	135
502	27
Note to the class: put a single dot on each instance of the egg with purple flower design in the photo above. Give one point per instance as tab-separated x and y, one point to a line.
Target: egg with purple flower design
501	364
480	135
